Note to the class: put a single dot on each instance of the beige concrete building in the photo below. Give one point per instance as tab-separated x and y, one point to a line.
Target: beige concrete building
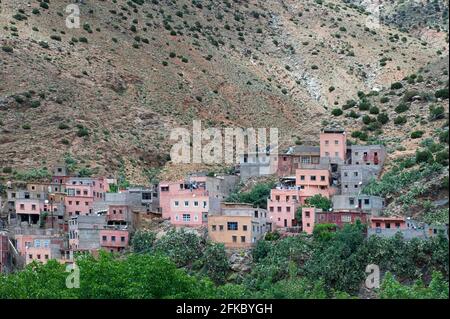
238	225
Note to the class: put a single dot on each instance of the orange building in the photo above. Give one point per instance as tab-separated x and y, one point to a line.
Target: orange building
238	225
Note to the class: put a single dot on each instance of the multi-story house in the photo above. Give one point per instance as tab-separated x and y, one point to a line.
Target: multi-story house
82	192
355	177
282	205
314	182
238	225
84	232
333	147
368	155
296	156
189	202
29	210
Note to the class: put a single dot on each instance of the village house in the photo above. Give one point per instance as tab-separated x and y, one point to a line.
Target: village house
355	177
314	182
312	216
238	225
358	202
290	161
84	232
82	192
333	146
369	155
262	163
189	202
283	203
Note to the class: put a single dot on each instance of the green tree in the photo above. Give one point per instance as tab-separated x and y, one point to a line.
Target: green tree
143	241
215	262
319	201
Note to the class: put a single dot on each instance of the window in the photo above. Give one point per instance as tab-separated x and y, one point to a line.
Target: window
322	178
345	174
307	214
336	142
77	203
366	201
104	238
33	207
234	238
37	243
279	209
176	203
327	153
221	227
232	226
377	225
313	177
302	177
85	192
351	201
256	214
356	153
277	198
186	217
288	209
39	257
122	239
271	209
196	203
388	225
397	225
113	238
244	227
86	203
213	227
22	206
346	219
345	186
242	239
186	203
30	256
46	257
327	142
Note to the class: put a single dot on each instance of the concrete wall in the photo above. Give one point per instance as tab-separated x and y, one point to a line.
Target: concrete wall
343	202
353	175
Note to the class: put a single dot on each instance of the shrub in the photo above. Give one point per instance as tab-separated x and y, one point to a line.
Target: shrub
384	99
444	136
442	157
331	89
436	112
424	156
35	103
417	134
367	119
442	93
82	131
374	110
7	170
83	39
26	126
337	112
63	126
7	49
361	135
402	107
364	105
383	118
44	5
400	120
396	86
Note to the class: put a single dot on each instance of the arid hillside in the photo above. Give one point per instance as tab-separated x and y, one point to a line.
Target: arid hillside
104	96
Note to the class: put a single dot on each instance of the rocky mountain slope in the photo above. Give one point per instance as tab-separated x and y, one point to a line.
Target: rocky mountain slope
105	95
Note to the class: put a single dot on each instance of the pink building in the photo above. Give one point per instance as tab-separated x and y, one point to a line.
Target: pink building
117	214
39	248
28	210
114	240
388	222
282	206
333	146
309	219
82	192
186	203
313	182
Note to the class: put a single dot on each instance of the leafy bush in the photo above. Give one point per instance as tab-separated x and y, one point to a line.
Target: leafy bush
417	134
442	93
319	201
337	112
257	195
436	112
400	120
396	86
7	48
143	241
424	156
402	107
383	118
